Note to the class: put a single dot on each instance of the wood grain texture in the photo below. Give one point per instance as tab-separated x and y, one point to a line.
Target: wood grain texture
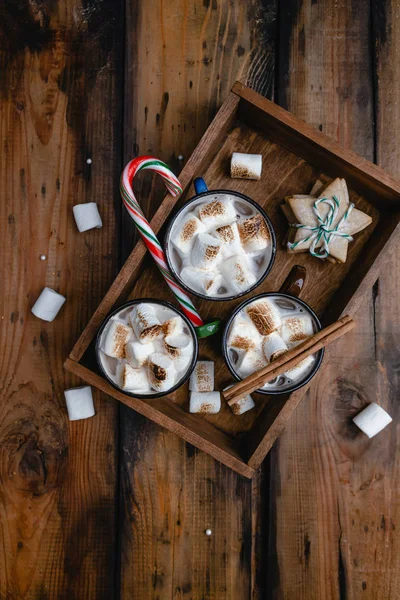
180	68
330	484
57	480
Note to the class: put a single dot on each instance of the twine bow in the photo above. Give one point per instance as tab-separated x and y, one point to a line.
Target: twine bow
324	230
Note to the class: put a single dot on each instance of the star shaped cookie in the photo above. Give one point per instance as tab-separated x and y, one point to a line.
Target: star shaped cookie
300	209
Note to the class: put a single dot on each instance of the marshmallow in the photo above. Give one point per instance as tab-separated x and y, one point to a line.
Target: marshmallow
273	346
179	348
115	338
145	323
296	329
218	212
250	362
79	403
230	239
172	326
300	370
254	234
161	372
372	419
205	403
87	216
202	378
204	282
133	380
190	227
264	315
246	166
206	251
243	335
242	405
137	354
237	273
48	305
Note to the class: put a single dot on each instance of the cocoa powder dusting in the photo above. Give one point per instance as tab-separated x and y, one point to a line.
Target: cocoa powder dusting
242	343
205	409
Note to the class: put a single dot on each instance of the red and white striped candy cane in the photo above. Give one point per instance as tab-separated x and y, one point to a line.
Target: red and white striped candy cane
146	232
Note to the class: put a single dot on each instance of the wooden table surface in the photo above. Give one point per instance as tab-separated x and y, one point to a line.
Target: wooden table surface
114	506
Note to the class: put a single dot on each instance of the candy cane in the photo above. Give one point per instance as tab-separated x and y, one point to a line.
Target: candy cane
146	232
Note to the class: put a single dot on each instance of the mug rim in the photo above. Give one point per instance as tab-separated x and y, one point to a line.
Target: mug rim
190	369
263	276
320	353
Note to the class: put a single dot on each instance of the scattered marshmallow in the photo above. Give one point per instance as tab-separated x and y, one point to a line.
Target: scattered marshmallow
230	238
265	316
137	354
79	402
145	323
206	251
242	405
205	403
87	216
205	282
48	305
115	338
296	329
246	166
218	212
237	272
190	227
202	378
254	234
133	380
273	346
372	419
161	372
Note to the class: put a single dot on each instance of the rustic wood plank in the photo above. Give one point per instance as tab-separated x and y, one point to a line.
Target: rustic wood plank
322	512
59	106
179	69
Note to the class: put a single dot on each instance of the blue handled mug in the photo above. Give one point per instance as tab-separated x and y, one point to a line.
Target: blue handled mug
260	263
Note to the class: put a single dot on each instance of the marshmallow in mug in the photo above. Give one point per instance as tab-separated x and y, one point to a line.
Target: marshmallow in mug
116	338
237	271
220	211
161	372
145	323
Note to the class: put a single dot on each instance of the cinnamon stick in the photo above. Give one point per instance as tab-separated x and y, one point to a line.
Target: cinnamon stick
289	360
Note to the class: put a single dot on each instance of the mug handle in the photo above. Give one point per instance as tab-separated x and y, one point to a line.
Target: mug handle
200	186
294	282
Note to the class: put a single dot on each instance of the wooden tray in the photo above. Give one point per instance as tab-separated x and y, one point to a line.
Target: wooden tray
294	156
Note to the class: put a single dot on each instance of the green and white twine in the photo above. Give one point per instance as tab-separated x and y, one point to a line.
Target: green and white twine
324	230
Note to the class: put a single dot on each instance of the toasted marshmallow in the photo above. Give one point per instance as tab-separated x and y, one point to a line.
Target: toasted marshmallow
300	370
273	346
204	282
218	212
161	372
296	329
250	362
265	316
237	273
206	251
254	234
145	323
242	405
202	378
190	227
172	326
372	419
115	338
133	380
179	348
246	166
230	239
205	403
243	335
137	354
